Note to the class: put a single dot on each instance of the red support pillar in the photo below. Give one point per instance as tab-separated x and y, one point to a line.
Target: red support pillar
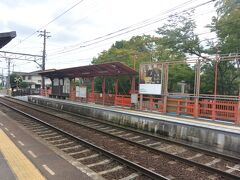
165	88
238	111
116	91
133	82
103	89
72	89
197	89
215	91
141	102
92	93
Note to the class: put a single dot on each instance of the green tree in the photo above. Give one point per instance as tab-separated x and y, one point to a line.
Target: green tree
142	49
133	52
179	37
15	80
226	25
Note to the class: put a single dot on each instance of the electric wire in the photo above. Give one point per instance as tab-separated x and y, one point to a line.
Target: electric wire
54	19
139	27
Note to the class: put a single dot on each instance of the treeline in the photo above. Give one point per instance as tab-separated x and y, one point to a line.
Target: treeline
176	41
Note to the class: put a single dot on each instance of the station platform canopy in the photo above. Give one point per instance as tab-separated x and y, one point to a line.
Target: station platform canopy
106	69
6	37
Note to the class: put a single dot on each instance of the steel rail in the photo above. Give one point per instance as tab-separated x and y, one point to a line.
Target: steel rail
207	168
132	165
206	151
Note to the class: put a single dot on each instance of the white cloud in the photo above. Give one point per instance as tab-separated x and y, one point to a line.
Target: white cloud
88	20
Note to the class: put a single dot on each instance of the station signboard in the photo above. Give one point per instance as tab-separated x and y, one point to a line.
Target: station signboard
150	78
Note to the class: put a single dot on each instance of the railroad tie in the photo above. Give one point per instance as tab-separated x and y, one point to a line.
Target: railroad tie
234	168
213	162
59	140
128	134
164	148
104	128
179	152
144	140
49	134
44	132
135	137
40	130
99	126
130	177
118	132
99	163
79	152
111	130
154	144
93	124
88	157
64	144
110	170
73	147
195	156
53	137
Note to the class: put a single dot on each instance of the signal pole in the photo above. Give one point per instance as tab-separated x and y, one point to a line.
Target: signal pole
8	78
45	36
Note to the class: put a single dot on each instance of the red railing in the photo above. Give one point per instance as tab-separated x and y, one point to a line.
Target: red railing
180	106
207	107
45	92
98	98
151	103
219	109
123	100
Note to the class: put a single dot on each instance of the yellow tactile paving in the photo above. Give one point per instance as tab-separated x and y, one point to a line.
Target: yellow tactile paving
20	165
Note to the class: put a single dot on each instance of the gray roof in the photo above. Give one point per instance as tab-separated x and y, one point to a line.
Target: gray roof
6	37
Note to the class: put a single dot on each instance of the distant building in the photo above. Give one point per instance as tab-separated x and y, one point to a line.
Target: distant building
34	80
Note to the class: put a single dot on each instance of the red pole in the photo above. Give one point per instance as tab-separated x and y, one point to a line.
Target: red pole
215	90
103	89
92	96
116	91
238	110
116	87
133	85
197	89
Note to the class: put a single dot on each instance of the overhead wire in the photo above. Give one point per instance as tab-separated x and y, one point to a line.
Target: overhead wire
139	27
54	19
133	25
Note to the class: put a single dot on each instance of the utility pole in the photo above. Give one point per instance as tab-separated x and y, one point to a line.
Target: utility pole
8	79
2	78
45	36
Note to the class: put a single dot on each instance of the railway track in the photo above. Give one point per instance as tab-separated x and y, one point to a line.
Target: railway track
103	162
177	154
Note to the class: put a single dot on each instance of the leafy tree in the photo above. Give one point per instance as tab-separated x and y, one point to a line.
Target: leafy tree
13	78
24	85
179	37
133	52
226	25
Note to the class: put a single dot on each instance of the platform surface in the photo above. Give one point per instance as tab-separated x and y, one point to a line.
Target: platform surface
25	158
197	122
5	171
20	165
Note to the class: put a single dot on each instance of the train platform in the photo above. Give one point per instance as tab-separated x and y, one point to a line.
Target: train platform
200	122
222	135
24	157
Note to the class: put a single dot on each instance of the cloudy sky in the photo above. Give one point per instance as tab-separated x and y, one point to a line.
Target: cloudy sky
76	27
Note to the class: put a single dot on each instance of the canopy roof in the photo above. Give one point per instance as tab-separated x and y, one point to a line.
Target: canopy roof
6	37
106	69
